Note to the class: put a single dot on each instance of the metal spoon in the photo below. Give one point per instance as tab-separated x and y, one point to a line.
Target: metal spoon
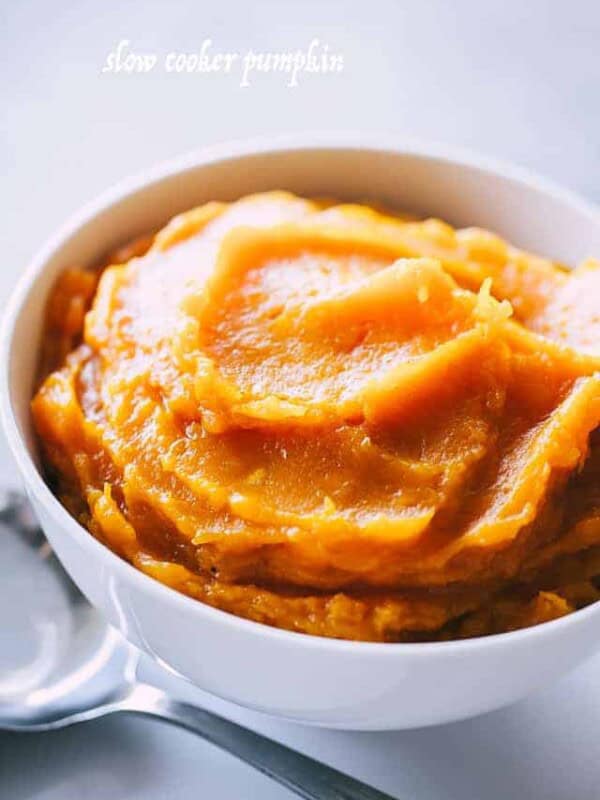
60	664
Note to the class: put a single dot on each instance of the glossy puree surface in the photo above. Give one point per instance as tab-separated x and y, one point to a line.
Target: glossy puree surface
334	420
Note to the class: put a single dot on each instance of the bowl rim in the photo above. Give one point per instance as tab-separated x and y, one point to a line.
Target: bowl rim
225	151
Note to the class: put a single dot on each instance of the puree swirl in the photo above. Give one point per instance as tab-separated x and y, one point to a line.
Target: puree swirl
334	420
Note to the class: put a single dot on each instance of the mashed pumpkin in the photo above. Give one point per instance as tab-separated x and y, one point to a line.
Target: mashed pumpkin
333	420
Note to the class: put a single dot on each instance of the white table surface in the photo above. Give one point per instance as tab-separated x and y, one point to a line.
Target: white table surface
520	81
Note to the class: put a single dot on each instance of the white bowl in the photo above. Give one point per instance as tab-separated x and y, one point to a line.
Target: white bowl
315	680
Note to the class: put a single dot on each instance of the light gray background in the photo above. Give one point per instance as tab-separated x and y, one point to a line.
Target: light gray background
515	80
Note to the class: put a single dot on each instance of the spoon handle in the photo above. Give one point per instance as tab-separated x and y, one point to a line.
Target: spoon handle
306	777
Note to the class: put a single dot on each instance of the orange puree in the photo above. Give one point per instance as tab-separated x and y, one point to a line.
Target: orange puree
334	420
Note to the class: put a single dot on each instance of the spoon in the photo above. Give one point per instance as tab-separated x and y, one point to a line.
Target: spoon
60	664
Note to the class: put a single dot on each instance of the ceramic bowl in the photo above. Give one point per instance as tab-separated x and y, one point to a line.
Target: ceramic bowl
314	680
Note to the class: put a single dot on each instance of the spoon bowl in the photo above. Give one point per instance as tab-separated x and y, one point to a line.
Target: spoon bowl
58	657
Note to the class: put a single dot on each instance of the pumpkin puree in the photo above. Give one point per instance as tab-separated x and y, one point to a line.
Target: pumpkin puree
333	420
